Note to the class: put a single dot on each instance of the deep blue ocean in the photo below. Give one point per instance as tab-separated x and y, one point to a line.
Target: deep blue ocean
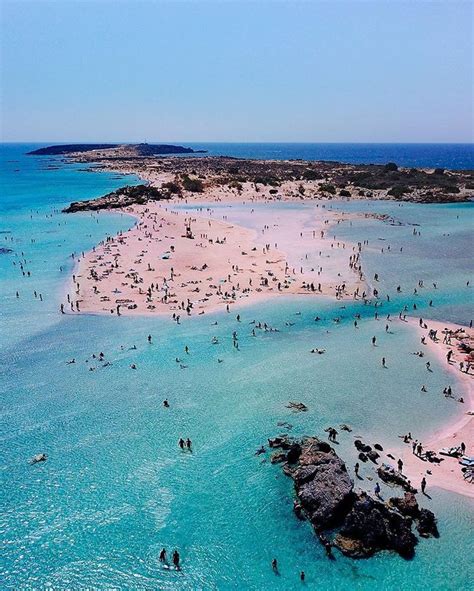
116	488
454	156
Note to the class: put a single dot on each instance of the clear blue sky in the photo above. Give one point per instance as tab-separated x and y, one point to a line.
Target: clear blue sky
361	71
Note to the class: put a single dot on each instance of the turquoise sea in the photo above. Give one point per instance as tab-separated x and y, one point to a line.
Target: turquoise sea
116	487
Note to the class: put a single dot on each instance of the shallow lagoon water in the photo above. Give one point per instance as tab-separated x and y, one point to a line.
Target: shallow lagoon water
116	488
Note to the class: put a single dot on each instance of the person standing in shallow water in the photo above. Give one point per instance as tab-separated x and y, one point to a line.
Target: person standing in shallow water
176	559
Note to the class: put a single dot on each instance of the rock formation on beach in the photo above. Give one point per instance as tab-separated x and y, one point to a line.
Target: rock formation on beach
123	197
361	525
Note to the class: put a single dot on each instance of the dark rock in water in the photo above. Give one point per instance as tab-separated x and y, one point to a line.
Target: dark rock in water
392	476
362	457
362	446
277	458
294	453
298	509
297	406
371	526
5	250
323	486
427	526
408	505
373	456
325	496
378	447
426	521
282	441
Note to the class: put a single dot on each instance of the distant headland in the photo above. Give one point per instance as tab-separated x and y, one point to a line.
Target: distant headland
215	177
114	150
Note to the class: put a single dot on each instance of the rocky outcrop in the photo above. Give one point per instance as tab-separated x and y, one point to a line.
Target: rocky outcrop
427	526
324	488
371	526
407	505
426	520
361	525
392	476
123	197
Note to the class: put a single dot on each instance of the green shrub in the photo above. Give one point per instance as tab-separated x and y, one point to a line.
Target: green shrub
193	185
172	187
312	175
398	191
236	185
326	188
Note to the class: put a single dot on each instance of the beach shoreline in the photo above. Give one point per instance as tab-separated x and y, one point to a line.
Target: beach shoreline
183	254
221	253
446	475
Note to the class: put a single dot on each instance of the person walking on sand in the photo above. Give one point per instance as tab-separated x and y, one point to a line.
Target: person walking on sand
423	485
374	340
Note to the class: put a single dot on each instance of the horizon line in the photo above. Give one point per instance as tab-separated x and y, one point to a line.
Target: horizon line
174	142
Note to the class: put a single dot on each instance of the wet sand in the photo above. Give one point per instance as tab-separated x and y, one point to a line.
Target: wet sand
447	474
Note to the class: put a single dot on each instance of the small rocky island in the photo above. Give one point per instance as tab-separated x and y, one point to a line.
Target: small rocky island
113	150
359	524
123	197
